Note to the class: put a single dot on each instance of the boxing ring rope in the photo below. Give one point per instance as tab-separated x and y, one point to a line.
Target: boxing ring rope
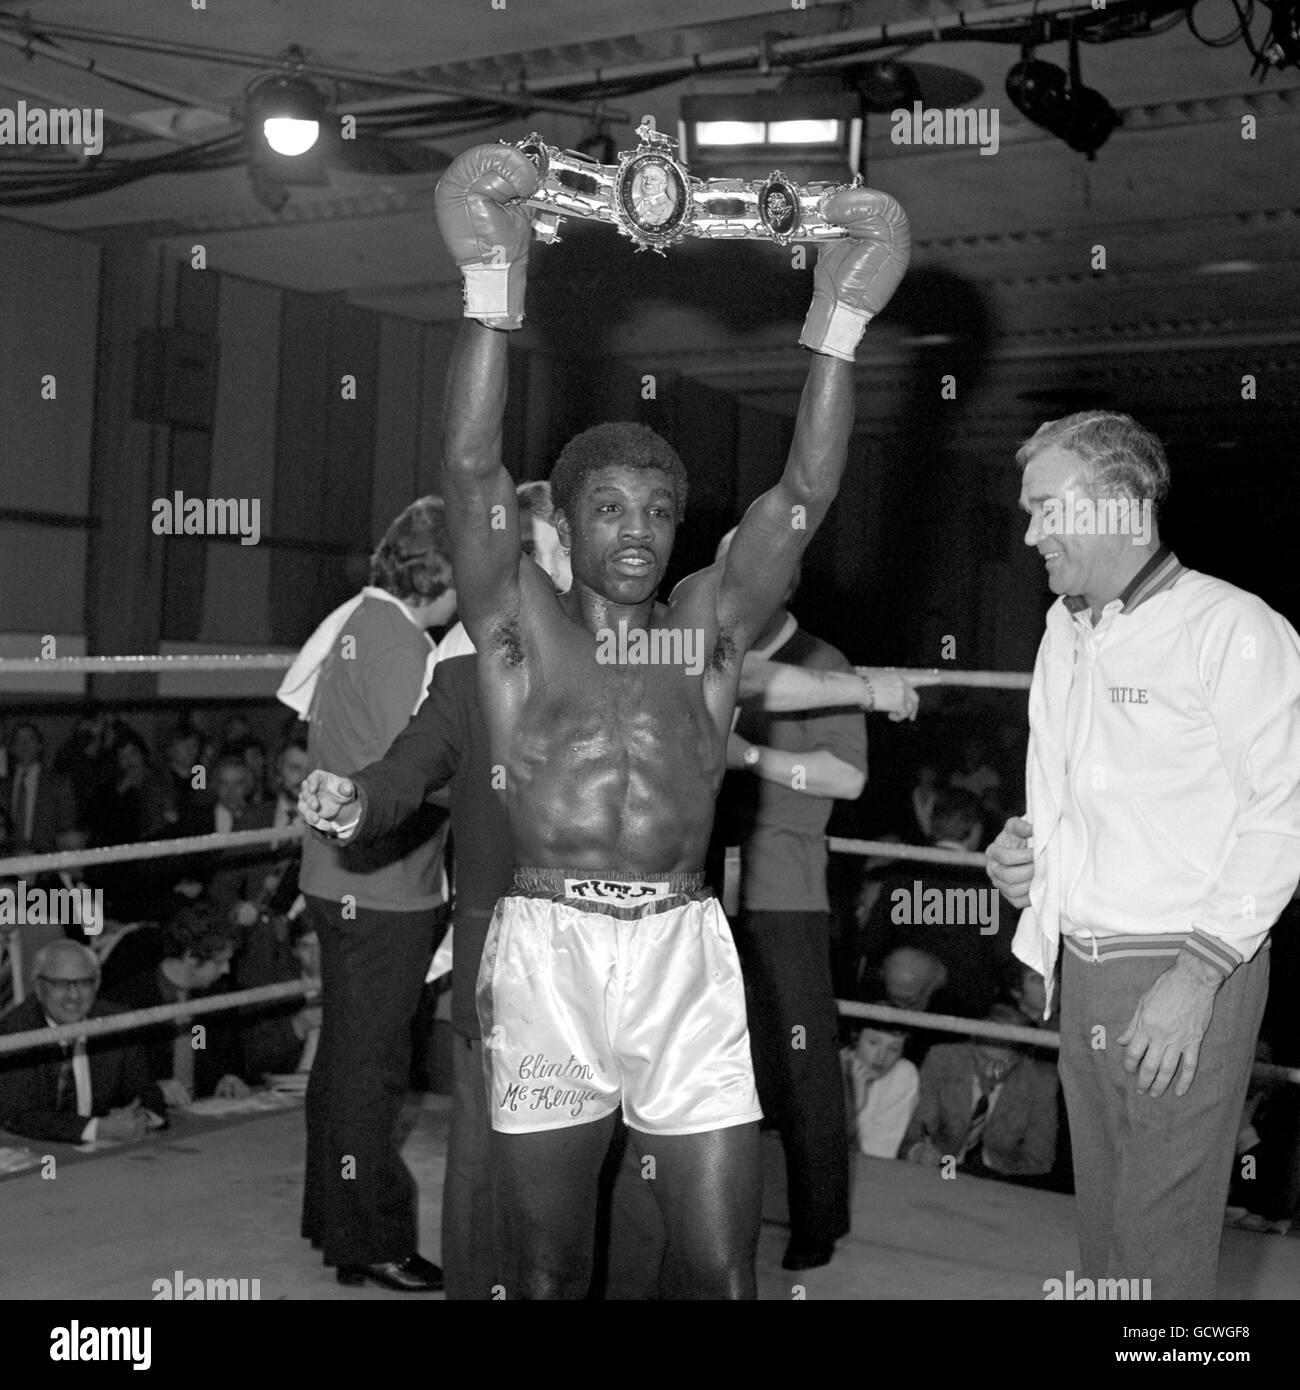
888	849
159	1013
146	849
200	844
135	665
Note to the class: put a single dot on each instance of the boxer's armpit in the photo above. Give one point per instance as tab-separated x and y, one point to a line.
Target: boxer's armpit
724	651
506	641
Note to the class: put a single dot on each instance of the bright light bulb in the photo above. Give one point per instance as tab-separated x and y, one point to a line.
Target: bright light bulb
728	132
804	132
289	136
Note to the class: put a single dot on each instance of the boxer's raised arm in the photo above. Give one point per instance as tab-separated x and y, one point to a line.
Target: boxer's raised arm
853	281
482	511
487	229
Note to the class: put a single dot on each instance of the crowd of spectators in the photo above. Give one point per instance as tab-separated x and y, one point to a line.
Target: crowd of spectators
173	927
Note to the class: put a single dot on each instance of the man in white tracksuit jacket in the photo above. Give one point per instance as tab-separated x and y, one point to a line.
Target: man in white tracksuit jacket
1161	841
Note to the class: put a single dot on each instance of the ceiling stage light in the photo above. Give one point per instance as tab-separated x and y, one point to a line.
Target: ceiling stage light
1059	102
810	130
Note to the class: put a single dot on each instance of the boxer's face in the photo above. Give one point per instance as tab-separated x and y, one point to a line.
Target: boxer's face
1096	567
622	532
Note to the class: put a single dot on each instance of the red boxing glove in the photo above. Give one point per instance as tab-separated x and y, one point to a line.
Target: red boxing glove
855	277
487	229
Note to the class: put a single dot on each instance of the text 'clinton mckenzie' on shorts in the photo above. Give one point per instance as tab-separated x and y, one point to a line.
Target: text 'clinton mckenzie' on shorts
597	990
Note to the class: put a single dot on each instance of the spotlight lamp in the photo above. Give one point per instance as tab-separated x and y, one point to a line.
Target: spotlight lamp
1059	102
285	114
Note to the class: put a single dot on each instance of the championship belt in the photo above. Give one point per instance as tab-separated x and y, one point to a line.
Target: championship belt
650	196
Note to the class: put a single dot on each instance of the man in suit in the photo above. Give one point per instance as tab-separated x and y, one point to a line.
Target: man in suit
39	801
988	1105
191	806
74	1093
267	878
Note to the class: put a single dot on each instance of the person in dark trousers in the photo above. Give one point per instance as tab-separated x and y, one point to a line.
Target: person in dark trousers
787	771
375	909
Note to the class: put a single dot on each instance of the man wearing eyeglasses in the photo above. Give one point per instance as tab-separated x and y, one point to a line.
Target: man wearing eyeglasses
74	1092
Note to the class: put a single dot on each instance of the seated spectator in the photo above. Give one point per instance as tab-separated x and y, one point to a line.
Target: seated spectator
225	873
234	789
946	910
974	772
253	753
138	803
282	1037
883	1089
85	926
270	876
135	808
191	806
988	1105
955	819
193	953
73	1093
235	732
1027	992
40	802
1264	1195
89	761
922	805
913	979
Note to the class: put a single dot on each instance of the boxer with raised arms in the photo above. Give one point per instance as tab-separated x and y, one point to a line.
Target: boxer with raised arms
609	976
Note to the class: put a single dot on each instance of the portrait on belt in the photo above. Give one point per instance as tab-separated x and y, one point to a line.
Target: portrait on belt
651	194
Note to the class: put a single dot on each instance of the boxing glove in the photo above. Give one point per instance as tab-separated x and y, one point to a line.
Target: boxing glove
478	204
855	277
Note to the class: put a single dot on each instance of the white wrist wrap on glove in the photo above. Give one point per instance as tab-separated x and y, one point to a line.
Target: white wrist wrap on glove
843	332
487	291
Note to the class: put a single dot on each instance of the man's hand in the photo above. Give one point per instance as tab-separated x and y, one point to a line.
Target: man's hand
175	1093
478	203
891	693
1009	862
231	1087
323	798
855	277
1169	1024
127	1122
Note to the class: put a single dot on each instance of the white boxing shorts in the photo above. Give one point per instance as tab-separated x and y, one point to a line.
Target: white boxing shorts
597	990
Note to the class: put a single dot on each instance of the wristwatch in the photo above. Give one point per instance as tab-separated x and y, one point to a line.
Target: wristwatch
752	755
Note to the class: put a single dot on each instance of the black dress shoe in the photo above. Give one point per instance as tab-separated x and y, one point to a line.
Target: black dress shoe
414	1274
806	1254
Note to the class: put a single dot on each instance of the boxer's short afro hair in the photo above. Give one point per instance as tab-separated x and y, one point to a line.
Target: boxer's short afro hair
621	445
